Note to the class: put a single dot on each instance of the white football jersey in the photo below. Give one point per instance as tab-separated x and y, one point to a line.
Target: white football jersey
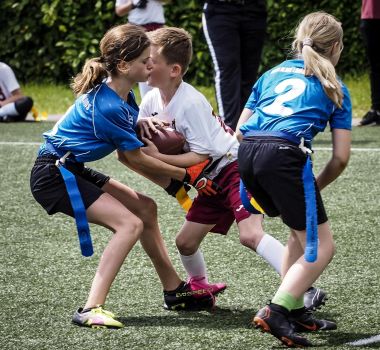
8	81
192	115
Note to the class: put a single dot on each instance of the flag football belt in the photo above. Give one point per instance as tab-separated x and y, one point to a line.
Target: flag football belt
76	201
311	248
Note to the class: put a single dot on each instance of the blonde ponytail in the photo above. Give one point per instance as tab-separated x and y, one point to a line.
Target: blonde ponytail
315	38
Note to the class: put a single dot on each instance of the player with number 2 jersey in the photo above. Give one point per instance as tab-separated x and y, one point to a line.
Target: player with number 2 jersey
284	99
289	105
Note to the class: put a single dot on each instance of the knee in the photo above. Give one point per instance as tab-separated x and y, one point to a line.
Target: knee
148	211
184	246
24	105
129	228
135	227
250	239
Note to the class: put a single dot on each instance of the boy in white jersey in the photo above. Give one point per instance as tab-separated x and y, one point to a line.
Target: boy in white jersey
175	102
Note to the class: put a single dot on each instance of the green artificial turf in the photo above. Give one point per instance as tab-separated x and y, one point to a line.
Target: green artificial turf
44	278
55	99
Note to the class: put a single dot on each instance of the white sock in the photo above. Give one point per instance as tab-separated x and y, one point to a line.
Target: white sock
195	265
8	109
271	250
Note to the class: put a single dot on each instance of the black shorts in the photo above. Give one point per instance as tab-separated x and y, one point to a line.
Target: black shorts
271	169
48	187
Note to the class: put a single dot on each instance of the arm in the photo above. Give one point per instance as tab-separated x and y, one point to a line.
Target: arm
193	175
145	164
159	180
124	9
16	95
180	160
341	142
245	115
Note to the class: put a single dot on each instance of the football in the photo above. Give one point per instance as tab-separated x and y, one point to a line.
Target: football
168	140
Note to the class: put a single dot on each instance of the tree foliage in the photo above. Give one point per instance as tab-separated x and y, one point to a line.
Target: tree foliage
50	40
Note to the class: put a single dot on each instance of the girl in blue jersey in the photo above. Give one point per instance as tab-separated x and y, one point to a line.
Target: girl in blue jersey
288	106
103	119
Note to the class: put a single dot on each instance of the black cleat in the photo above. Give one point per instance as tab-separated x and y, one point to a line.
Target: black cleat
314	298
274	320
185	299
371	117
304	321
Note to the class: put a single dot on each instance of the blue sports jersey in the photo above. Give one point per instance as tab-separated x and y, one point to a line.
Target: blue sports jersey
98	123
284	99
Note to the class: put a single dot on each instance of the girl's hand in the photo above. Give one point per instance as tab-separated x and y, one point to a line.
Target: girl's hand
150	149
148	125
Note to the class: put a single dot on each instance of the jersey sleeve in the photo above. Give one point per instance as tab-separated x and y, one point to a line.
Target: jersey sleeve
342	117
116	128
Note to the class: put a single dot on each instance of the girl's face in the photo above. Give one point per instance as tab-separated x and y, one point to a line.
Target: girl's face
139	69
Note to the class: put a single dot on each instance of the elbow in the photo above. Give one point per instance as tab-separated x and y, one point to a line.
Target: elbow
341	162
118	12
120	157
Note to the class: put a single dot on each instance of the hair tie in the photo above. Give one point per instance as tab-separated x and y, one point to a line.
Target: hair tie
307	42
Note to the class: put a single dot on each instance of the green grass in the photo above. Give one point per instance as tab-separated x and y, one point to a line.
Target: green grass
50	98
44	278
55	99
359	88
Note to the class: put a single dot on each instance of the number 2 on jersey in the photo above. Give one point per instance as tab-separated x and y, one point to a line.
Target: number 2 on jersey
298	86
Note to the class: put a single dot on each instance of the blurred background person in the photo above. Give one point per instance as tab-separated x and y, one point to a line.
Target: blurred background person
235	33
14	106
370	29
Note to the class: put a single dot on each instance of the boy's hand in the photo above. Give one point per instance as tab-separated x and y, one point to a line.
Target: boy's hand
148	125
195	177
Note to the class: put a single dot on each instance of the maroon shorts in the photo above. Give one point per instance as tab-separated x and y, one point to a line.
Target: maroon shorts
150	27
223	208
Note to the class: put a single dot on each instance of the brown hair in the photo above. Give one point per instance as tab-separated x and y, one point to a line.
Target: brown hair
121	43
315	37
174	44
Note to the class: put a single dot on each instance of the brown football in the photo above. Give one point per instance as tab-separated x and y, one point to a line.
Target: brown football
168	140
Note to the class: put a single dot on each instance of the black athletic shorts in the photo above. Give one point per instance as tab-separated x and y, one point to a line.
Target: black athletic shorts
48	187
271	169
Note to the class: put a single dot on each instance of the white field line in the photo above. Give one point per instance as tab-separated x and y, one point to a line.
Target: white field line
365	341
354	149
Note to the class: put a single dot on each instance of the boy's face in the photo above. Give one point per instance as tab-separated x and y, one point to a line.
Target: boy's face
161	72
